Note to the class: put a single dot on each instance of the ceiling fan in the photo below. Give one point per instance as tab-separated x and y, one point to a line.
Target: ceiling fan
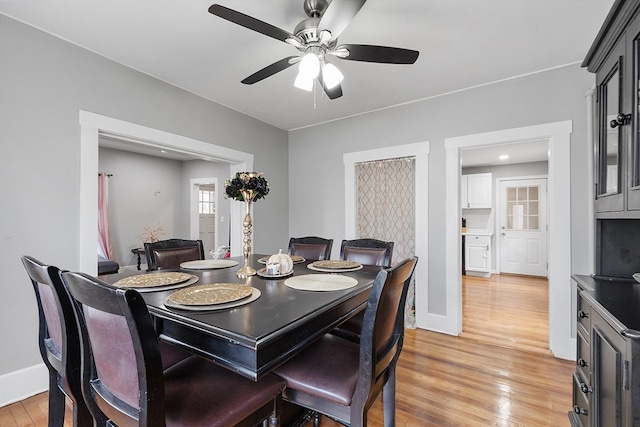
316	37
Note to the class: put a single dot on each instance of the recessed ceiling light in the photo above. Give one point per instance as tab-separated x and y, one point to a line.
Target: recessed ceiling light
163	151
504	157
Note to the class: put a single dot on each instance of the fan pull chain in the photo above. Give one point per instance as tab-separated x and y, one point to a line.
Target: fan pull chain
315	85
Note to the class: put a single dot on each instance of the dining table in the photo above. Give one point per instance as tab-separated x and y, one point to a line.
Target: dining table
255	335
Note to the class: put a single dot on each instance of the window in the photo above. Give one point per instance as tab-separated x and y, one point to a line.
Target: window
523	211
206	199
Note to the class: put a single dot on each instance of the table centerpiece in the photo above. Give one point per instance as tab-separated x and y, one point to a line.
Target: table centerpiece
246	187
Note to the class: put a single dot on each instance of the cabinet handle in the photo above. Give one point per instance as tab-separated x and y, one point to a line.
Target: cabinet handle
582	363
585	388
583	315
620	120
578	410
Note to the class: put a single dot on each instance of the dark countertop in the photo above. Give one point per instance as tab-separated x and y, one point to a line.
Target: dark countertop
617	298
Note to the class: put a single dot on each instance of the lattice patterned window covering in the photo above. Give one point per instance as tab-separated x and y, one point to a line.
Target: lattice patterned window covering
385	210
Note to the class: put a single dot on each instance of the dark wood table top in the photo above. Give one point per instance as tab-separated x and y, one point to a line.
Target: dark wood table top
254	338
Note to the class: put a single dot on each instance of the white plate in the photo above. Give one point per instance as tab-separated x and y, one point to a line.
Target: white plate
254	296
333	270
208	264
637	277
321	282
263	273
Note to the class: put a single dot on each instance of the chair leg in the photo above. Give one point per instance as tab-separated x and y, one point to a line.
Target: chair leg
316	419
389	398
274	420
81	415
56	401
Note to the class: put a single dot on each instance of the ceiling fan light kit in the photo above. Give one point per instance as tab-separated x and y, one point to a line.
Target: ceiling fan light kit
316	37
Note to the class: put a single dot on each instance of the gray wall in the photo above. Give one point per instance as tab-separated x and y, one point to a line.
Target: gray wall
44	82
143	191
552	96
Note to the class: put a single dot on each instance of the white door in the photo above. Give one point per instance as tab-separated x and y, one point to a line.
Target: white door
203	221
207	232
523	227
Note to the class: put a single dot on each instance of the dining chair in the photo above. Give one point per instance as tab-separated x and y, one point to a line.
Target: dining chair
342	379
122	369
366	252
311	247
59	343
169	254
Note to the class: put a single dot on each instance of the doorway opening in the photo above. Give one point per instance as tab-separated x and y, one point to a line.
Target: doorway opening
94	126
558	135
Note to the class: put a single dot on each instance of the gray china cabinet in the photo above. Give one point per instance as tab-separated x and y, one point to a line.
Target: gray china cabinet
614	58
606	382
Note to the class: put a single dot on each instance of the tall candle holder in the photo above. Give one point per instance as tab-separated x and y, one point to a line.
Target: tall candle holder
246	187
247	225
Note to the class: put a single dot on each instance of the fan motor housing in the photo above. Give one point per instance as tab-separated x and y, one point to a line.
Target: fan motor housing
315	8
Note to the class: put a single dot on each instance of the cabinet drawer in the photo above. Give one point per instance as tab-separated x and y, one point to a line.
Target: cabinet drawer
583	360
581	408
480	240
583	317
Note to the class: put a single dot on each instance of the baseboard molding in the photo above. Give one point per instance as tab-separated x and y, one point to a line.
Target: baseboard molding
18	385
568	351
436	323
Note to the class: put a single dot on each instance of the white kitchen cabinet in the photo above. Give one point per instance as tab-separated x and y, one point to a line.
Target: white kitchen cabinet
476	191
478	254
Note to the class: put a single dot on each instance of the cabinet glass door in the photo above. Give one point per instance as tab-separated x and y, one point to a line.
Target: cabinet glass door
612	125
633	195
609	156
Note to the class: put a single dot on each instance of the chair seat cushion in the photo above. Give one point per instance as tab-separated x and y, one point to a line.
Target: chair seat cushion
198	391
327	369
106	266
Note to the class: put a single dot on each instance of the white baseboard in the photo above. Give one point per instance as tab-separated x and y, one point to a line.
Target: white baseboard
436	323
24	383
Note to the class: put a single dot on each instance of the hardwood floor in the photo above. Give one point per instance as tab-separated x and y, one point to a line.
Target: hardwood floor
499	372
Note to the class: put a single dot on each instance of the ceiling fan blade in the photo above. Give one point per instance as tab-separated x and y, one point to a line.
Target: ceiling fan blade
380	54
334	92
270	70
250	23
338	15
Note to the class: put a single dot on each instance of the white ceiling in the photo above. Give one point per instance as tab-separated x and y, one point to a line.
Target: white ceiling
462	44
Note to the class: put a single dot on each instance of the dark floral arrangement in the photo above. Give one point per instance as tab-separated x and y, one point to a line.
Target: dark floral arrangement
252	184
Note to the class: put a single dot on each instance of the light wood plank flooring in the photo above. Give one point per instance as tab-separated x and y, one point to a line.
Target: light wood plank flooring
499	372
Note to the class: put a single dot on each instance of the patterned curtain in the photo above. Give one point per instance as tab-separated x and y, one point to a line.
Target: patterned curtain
105	248
385	210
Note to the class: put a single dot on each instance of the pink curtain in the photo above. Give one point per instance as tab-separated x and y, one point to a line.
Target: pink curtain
105	247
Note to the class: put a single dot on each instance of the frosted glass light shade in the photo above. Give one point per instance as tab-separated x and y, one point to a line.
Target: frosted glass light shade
310	65
331	76
303	82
